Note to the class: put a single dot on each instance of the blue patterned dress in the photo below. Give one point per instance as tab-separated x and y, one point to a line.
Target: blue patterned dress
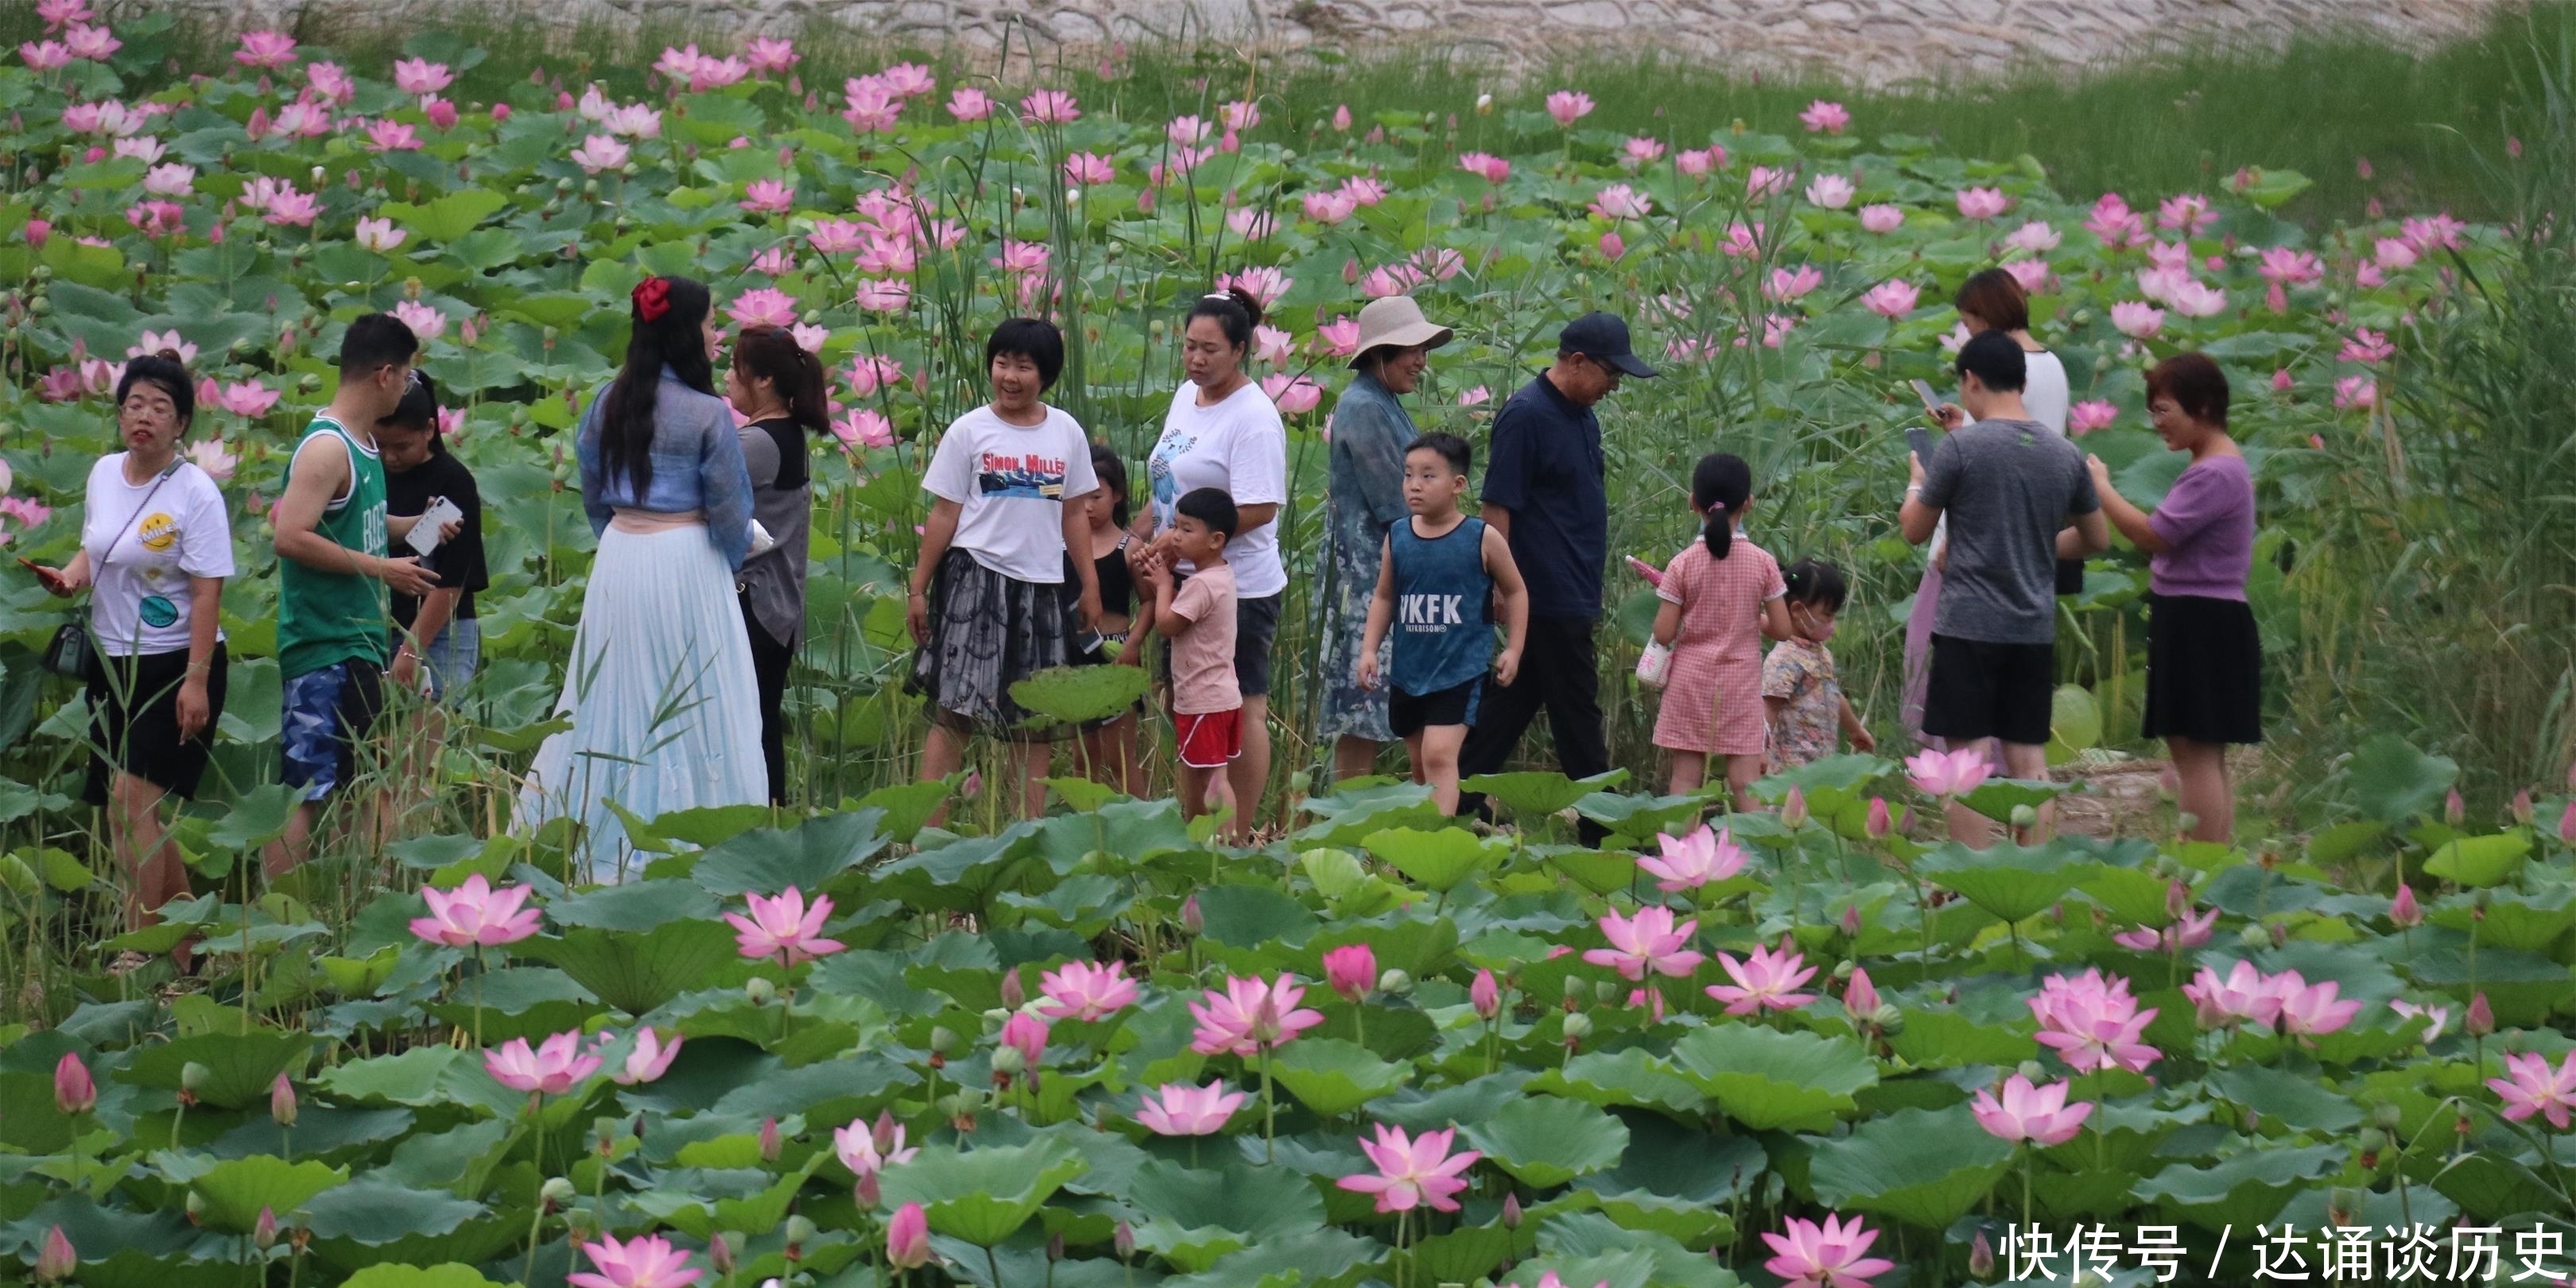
1370	432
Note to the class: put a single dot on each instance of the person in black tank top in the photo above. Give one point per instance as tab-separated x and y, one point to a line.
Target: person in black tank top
1109	746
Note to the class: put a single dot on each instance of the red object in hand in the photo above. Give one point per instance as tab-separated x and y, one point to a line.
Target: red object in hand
1654	576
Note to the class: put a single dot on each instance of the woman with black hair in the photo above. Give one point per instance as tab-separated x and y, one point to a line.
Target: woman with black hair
777	388
439	628
663	703
1223	432
156	545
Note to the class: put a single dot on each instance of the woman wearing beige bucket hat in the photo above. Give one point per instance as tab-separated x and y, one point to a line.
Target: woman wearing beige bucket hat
1370	431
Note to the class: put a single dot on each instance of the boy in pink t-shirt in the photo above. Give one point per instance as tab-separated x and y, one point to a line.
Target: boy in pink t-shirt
1197	615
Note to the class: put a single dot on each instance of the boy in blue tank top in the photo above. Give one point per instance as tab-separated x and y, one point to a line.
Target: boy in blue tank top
1436	587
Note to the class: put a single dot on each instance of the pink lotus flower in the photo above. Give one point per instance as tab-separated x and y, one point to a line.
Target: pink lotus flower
74	1091
2403	910
2188	214
678	64
1647	941
2367	347
552	1069
1485	996
836	236
329	83
2039	1115
1785	285
2085	417
2355	392
870	372
1692	861
1186	131
2092	1023
155	342
1492	169
769	55
2032	274
421	76
784	927
2115	223
1339	338
56	1261
1569	106
44	55
1412	1172
1830	191
1891	299
1613	246
93	43
214	458
1026	1034
475	915
1250	1016
2393	255
1342	117
1474	397
1263	284
243	397
2289	267
2136	319
265	49
635	121
649	1060
1879	823
1826	1256
1763	182
908	1238
1085	168
2191	931
1351	971
768	197
870	107
868	1151
2312	1010
1698	163
1822	117
1982	203
58	14
1949	774
645	1261
777	261
967	103
599	153
1881	218
766	306
1240	116
2531	1087
866	427
1179	1109
882	295
1764	981
1328	208
2439	232
425	321
442	114
1050	107
1086	991
2194	299
2436	1018
1363	190
909	80
1293	395
1642	151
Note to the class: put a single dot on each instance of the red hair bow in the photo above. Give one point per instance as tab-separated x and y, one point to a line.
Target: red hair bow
652	298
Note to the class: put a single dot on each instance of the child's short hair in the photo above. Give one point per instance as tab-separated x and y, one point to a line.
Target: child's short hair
1451	448
1211	506
1817	584
1032	338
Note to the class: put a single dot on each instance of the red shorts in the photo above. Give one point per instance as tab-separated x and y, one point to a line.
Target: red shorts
1209	740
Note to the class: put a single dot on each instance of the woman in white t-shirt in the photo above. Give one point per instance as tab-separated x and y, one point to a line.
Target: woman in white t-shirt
988	607
1224	432
156	545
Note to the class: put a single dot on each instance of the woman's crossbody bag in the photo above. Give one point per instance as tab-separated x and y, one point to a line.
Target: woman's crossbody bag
73	654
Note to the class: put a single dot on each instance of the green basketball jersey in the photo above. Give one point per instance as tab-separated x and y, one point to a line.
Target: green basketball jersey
329	617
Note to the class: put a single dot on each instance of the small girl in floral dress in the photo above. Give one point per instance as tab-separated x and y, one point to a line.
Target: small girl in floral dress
1799	687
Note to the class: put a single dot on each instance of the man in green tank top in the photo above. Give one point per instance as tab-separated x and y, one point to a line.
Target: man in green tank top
333	566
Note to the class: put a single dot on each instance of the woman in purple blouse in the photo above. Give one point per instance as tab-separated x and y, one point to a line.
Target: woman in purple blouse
2204	658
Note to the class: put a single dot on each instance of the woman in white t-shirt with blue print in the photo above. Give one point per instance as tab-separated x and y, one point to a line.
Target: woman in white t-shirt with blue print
988	607
1224	432
156	545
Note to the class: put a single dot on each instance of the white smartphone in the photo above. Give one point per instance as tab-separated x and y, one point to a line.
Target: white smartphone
1918	439
424	535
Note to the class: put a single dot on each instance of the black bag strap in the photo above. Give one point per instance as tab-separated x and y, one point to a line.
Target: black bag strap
117	533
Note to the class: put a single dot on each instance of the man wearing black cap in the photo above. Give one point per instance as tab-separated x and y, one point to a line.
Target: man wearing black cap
1544	492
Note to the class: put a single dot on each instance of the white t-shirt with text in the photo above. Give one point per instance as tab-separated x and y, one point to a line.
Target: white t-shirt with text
139	599
1241	446
1011	482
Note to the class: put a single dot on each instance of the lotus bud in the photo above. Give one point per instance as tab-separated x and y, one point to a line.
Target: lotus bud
1055	1246
1009	1060
1014	993
800	1230
760	991
2567	825
263	1232
1123	1241
2372	1140
193	1076
1981	1256
1578	1026
1486	996
1860	997
721	1251
868	1194
281	1101
1484	105
2177	899
2024	816
557	1193
769	1140
1793	811
2481	1017
1192	920
74	1092
2403	909
1573	992
1851	921
2254	937
1512	1211
2522	807
308	383
1879	823
2280	933
195	1207
57	1261
1394	982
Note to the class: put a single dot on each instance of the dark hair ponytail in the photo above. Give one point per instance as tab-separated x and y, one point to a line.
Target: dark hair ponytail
1236	313
771	353
1816	584
667	313
1720	485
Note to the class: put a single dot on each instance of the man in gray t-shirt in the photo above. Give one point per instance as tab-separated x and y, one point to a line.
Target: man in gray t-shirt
2008	486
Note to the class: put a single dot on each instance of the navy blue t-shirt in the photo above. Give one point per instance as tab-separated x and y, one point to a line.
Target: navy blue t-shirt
1546	469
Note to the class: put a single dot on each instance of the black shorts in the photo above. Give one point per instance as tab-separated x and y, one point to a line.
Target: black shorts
134	722
2204	670
1981	689
1410	713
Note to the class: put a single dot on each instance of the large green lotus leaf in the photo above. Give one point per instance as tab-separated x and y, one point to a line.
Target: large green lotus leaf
867	1080
754	1214
449	1275
767	861
1321	1258
1641	818
635	906
906	807
239	1067
983	1195
2247	1189
1248	916
1439	861
457	1160
1848	772
1333	1077
1349	816
2391	781
126	1268
374	1209
320	1131
960	875
2493	1188
447	218
1944	1039
1195	1217
2481	860
415	1077
1070	694
234	1192
1464	1255
1549	1140
1627	1076
1923	1167
2133	896
2528	923
258	816
1471	1101
1773	1081
1599	871
637	973
2012	882
1999	797
1122	834
1538	793
1589	1247
2303	1099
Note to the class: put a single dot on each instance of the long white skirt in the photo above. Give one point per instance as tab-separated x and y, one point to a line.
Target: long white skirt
665	710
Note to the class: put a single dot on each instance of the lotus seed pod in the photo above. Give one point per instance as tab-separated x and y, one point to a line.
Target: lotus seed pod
800	1229
1578	1026
193	1076
2372	1140
760	991
1608	992
2024	816
1573	989
557	1191
1888	1019
2254	936
1009	1060
943	1041
1394	983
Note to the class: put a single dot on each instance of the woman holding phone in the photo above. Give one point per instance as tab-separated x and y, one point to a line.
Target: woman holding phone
156	545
